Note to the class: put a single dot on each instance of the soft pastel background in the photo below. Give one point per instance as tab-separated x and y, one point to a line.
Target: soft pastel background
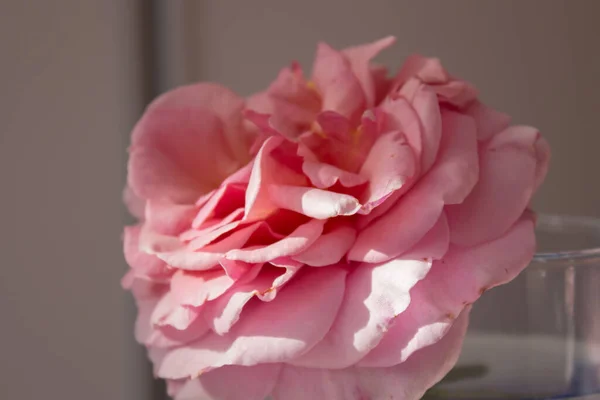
75	75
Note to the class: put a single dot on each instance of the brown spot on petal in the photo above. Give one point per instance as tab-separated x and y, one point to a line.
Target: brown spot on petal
199	373
267	291
482	290
450	316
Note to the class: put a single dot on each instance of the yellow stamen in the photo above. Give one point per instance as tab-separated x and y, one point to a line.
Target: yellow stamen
312	86
316	128
356	135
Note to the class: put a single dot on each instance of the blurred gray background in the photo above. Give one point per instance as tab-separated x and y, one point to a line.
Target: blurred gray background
75	76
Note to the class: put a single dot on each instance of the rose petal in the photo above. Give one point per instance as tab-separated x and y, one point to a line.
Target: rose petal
509	174
489	122
542	155
449	181
389	165
168	312
249	383
163	337
202	237
324	176
340	89
135	204
195	288
201	241
428	70
289	104
217	99
314	203
267	171
143	265
434	244
329	248
360	57
152	175
300	239
183	135
169	218
224	201
178	254
291	87
425	104
453	283
406	381
375	295
252	341
222	313
291	268
431	72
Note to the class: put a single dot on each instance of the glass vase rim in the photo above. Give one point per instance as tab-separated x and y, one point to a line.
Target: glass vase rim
555	221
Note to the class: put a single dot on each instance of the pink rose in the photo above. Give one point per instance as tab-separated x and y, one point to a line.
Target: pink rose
324	239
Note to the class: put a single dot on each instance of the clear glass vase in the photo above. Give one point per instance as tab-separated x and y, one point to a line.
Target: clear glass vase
539	336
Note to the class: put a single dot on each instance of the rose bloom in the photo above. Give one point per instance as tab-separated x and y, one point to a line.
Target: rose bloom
324	239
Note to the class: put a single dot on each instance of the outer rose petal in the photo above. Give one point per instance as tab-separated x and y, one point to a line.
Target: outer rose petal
542	155
434	244
489	122
163	337
375	295
152	175
431	72
269	332
511	166
449	181
181	137
407	381
360	60
428	70
457	281
220	101
135	204
232	383
222	313
195	288
142	265
168	312
168	218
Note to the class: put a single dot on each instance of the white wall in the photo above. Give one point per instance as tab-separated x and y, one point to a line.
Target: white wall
70	91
